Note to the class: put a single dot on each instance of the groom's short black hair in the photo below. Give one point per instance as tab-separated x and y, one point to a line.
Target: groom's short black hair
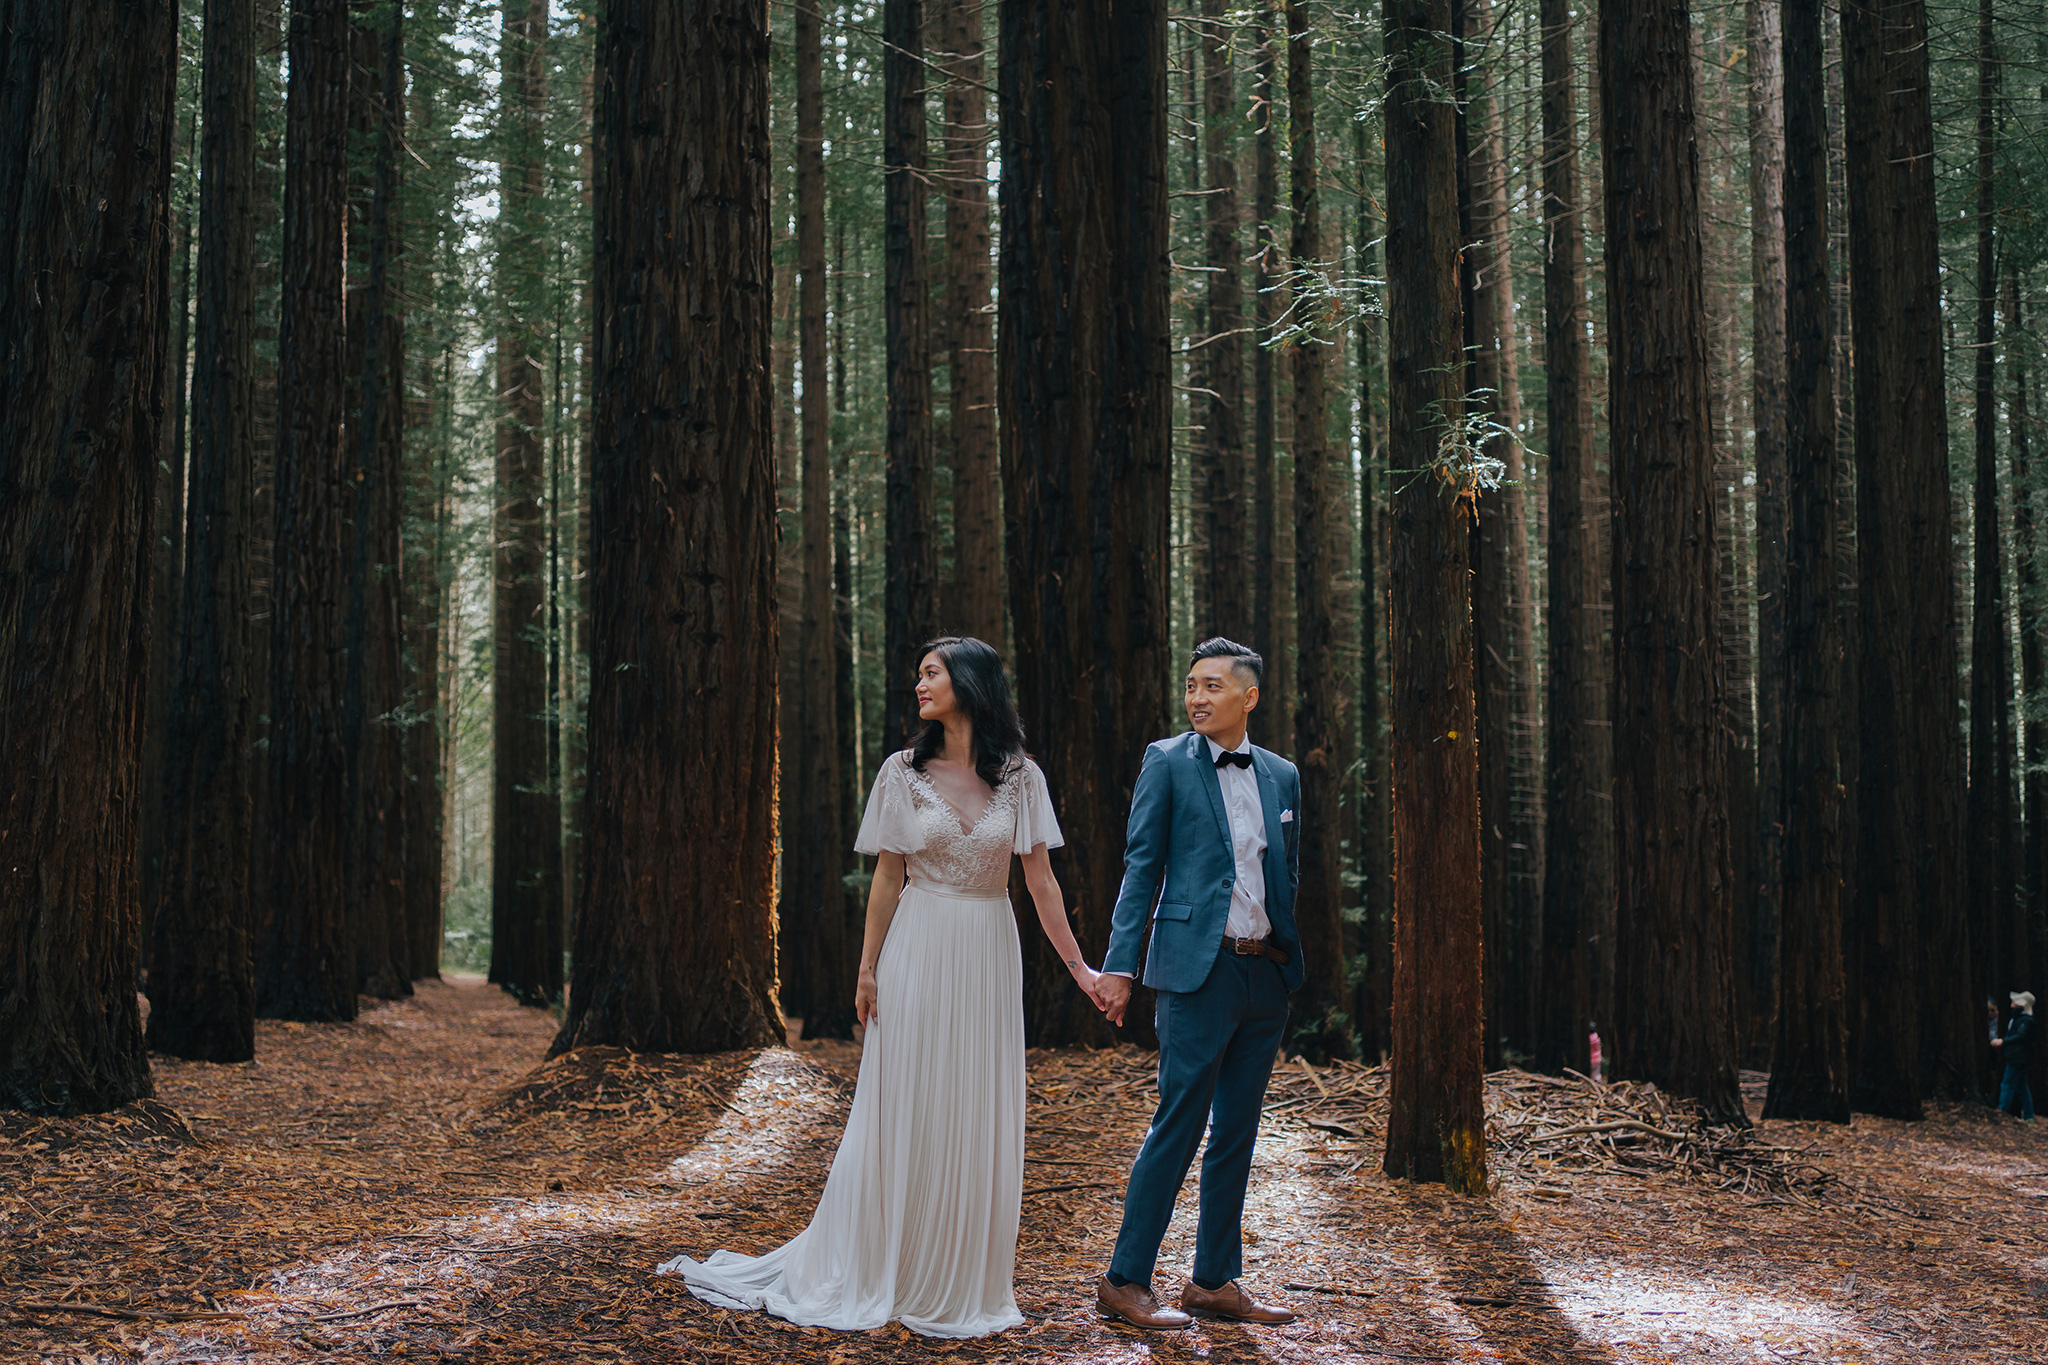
1243	658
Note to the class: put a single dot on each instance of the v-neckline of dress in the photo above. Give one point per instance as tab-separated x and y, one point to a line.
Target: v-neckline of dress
966	830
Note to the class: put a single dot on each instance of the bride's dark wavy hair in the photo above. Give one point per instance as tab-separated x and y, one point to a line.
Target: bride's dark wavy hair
982	692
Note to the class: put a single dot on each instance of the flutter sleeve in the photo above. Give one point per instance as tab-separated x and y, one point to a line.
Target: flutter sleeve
891	824
1036	824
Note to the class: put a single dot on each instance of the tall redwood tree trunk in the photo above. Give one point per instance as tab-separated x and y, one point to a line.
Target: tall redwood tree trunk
1370	1010
1320	687
1673	969
1224	571
1510	803
1810	1060
1269	724
675	942
526	814
974	602
1578	868
813	928
2027	551
1087	418
202	993
1435	1124
1756	953
1990	802
307	967
372	688
910	615
423	575
83	329
1913	1030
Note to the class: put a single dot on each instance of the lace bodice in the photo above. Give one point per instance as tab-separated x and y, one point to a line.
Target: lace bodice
906	814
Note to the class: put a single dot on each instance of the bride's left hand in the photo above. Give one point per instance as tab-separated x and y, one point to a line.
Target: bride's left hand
1086	978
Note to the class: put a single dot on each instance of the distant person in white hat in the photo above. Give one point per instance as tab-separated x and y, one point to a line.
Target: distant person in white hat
2017	1047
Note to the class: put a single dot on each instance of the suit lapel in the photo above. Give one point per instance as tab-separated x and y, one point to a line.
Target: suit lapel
1269	803
1198	750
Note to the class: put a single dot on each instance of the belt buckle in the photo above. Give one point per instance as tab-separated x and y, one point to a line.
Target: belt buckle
1248	947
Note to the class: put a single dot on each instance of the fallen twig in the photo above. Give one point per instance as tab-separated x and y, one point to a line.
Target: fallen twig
1611	1126
124	1314
1077	1185
360	1312
1307	1288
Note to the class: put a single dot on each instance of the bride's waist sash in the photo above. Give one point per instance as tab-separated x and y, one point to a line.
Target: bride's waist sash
959	893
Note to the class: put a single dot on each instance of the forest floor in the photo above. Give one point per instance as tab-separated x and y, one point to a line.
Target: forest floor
417	1184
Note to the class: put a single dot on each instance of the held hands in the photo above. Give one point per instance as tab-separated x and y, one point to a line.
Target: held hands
864	1003
1112	994
1087	978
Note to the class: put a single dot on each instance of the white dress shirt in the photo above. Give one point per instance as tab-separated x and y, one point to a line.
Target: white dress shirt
1247	845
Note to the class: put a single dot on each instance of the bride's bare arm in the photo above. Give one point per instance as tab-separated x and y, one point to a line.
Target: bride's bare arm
1052	917
883	893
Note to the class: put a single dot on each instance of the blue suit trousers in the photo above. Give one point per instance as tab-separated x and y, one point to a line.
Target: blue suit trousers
1216	1049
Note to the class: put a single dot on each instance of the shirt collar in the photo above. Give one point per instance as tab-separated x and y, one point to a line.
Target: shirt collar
1215	749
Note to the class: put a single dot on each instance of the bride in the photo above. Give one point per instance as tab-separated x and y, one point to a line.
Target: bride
918	1221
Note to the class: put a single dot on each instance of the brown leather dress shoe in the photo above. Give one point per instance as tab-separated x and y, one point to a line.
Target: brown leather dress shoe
1134	1304
1231	1302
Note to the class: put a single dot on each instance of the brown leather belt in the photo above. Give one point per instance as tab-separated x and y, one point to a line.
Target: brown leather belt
1257	947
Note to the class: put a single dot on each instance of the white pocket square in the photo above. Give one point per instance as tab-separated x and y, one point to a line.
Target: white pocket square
1286	815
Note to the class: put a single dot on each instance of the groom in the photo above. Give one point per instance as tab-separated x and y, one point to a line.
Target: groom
1210	860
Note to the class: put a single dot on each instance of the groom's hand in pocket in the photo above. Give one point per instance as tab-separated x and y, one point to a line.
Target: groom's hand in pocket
1114	992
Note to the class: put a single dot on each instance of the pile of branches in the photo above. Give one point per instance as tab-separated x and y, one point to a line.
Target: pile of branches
611	1086
1542	1127
1557	1124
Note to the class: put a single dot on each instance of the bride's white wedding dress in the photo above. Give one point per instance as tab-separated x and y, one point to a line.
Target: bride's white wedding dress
918	1221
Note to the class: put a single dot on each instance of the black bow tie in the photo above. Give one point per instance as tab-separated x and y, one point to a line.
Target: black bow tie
1234	759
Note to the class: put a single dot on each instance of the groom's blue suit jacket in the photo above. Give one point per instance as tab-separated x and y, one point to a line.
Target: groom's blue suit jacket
1178	865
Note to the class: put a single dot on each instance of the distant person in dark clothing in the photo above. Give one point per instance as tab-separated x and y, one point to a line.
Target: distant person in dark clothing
2017	1048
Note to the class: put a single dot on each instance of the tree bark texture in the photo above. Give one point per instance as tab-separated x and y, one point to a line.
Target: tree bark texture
974	605
372	688
1435	1125
83	329
1848	596
1810	1058
526	818
1913	1030
202	992
424	576
1756	955
910	609
1226	583
1990	813
1269	725
1510	799
2027	549
817	952
1673	968
1320	692
1370	1008
675	934
1713	59
1084	369
1578	867
307	968
851	726
167	561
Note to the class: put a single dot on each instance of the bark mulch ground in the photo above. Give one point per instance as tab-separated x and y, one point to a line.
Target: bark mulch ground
418	1185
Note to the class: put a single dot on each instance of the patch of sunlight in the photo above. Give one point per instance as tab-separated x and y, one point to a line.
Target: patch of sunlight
442	1263
1618	1302
739	1142
749	1137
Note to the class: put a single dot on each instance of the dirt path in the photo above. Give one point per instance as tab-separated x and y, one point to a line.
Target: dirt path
412	1185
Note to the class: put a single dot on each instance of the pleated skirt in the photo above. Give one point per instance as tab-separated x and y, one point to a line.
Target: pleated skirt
918	1221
